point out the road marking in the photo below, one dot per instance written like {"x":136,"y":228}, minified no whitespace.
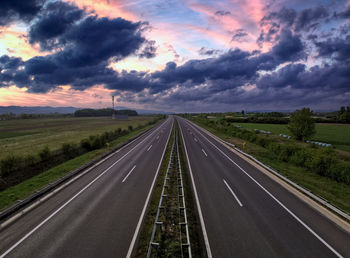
{"x":149,"y":148}
{"x":205,"y":235}
{"x":205,"y":153}
{"x":128,"y":173}
{"x":157,"y":137}
{"x":196,"y":139}
{"x":137,"y":230}
{"x":71,"y":199}
{"x":234,"y":195}
{"x":274,"y":198}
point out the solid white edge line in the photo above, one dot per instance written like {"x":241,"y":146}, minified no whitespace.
{"x":133,"y":241}
{"x":149,"y":148}
{"x":205,"y":235}
{"x":128,"y":173}
{"x":274,"y":198}
{"x":234,"y":195}
{"x":71,"y":199}
{"x":205,"y":153}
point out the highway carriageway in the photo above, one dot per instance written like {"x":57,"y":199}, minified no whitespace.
{"x":245,"y":213}
{"x":98,"y":215}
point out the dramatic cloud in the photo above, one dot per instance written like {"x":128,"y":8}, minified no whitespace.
{"x":265,"y":54}
{"x":12,"y":10}
{"x":208,"y":52}
{"x":52,"y":22}
{"x":83,"y":47}
{"x":239,"y":35}
{"x":336,"y":48}
{"x":222,"y":13}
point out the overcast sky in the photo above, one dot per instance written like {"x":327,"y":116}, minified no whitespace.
{"x":176,"y":55}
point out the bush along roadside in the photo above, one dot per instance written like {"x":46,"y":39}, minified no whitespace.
{"x":323,"y":162}
{"x":16,"y":169}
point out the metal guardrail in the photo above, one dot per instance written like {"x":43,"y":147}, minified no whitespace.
{"x":174,"y":164}
{"x":182,"y":208}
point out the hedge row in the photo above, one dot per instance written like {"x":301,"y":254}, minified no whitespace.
{"x":321,"y":161}
{"x":14,"y":169}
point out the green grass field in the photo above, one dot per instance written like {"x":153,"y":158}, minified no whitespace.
{"x":29,"y":136}
{"x":11,"y":195}
{"x":336,"y":134}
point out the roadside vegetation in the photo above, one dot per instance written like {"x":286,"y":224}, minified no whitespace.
{"x":29,"y":136}
{"x":70,"y":143}
{"x":322,"y":170}
{"x":20,"y":191}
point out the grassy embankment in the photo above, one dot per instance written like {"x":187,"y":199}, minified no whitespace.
{"x":11,"y":195}
{"x":336,"y":134}
{"x":28,"y":136}
{"x":337,"y":193}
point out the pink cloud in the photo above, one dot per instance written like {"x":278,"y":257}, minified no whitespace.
{"x":96,"y":96}
{"x":253,"y":8}
{"x":107,"y":8}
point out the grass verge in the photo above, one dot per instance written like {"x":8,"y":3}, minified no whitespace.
{"x":336,"y":193}
{"x":18,"y":192}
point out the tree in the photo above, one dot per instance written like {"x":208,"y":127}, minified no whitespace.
{"x":301,"y":124}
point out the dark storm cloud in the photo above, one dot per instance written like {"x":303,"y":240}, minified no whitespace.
{"x":53,"y":21}
{"x":222,"y":13}
{"x":345,"y":14}
{"x":12,"y":10}
{"x":203,"y":51}
{"x":308,"y":18}
{"x":290,"y":19}
{"x":289,"y":48}
{"x":329,"y":78}
{"x":149,"y":50}
{"x":239,"y":35}
{"x":336,"y":48}
{"x":84,"y":45}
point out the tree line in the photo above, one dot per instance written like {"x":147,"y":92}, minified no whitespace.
{"x":89,"y":112}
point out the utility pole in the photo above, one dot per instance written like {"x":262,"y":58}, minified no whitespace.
{"x":113,"y":114}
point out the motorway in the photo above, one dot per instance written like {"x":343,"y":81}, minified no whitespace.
{"x":97,"y":215}
{"x":244,"y":213}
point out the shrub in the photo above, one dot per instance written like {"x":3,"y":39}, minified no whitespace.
{"x":30,"y":160}
{"x":130,"y":128}
{"x":45,"y":153}
{"x":95,"y":142}
{"x":8,"y":164}
{"x":69,"y":150}
{"x":299,"y":157}
{"x":85,"y":144}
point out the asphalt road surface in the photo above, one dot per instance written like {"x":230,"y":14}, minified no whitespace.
{"x":244,"y":213}
{"x":99,"y":214}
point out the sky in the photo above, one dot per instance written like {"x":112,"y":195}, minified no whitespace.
{"x":176,"y":55}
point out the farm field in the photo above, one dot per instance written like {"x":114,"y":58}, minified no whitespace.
{"x":336,"y":134}
{"x":29,"y":136}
